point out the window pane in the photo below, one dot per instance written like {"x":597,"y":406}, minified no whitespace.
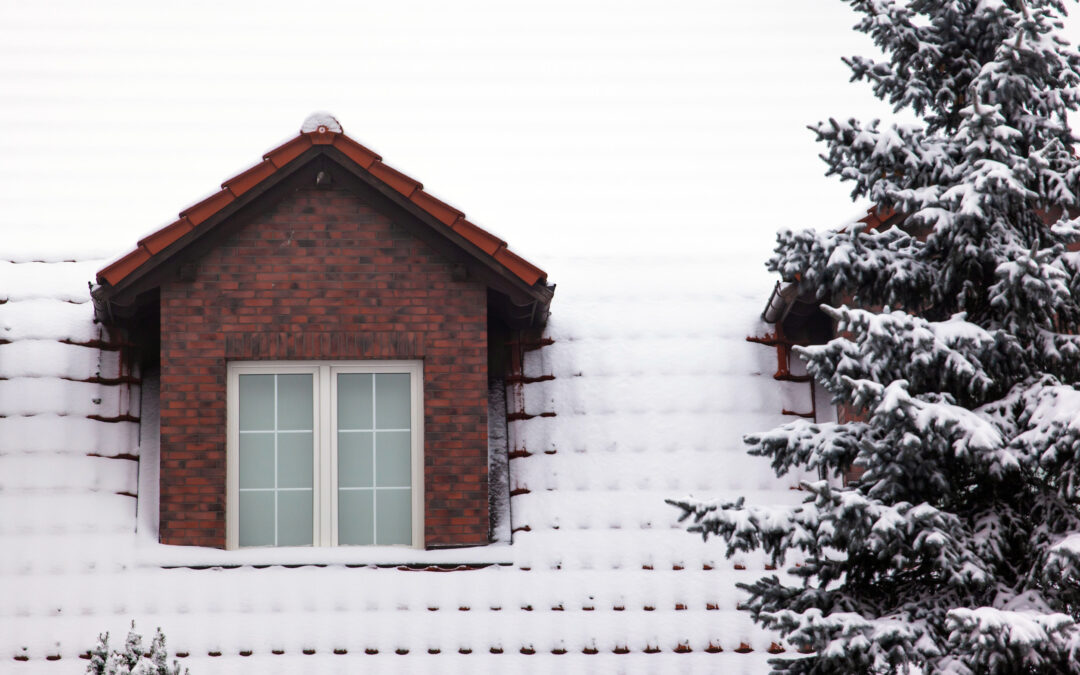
{"x":294,"y":518}
{"x":295,"y":460}
{"x":354,"y":400}
{"x":393,"y":459}
{"x":256,"y":402}
{"x":278,"y":458}
{"x":355,"y":517}
{"x":355,"y":467}
{"x":295,"y":402}
{"x":257,"y":460}
{"x":392,"y":401}
{"x":257,"y":518}
{"x":393,"y":524}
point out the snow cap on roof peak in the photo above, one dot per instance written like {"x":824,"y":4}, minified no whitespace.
{"x":321,"y":122}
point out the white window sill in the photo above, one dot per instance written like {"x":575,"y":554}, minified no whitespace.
{"x":153,"y":554}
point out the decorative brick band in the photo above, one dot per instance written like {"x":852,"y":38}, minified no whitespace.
{"x":330,"y":345}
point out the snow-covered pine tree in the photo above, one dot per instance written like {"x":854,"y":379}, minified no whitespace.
{"x":958,"y":550}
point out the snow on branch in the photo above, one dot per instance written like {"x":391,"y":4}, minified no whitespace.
{"x":953,"y":355}
{"x":905,"y":536}
{"x":1047,"y":431}
{"x":874,"y":268}
{"x":1031,"y":287}
{"x":829,"y":447}
{"x":989,"y":640}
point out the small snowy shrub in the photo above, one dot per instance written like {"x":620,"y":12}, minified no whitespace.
{"x":133,"y":660}
{"x":958,"y":550}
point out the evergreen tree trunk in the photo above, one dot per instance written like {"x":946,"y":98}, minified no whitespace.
{"x":958,"y":551}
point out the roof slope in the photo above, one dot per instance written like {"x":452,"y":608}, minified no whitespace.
{"x":318,"y":131}
{"x":649,"y":401}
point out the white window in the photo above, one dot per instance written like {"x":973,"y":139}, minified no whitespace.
{"x":325,"y":453}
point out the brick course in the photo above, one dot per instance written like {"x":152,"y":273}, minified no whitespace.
{"x":323,"y":275}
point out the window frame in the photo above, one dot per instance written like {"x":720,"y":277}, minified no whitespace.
{"x":325,"y":440}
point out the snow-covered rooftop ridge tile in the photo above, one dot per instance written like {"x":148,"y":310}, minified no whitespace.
{"x":321,"y":122}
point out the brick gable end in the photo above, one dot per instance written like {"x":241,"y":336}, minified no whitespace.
{"x":322,"y":275}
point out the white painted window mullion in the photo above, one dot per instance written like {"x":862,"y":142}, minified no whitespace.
{"x":275,"y":461}
{"x":416,"y":443}
{"x":374,"y":462}
{"x":327,"y":496}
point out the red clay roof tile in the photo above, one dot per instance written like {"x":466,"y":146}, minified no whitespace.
{"x":528,"y":272}
{"x":159,"y":240}
{"x":242,"y":182}
{"x":120,"y":269}
{"x":875,"y":218}
{"x":198,"y":213}
{"x":321,"y":136}
{"x":395,"y":179}
{"x":277,"y":158}
{"x":355,"y":151}
{"x":481,"y":238}
{"x":442,"y":211}
{"x":288,"y":151}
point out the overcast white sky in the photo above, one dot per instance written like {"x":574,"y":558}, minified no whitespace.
{"x":667,"y":127}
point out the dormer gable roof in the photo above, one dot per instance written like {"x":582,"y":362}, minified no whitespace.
{"x":518,"y":281}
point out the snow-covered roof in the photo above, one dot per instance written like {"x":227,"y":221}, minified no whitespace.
{"x":653,"y":137}
{"x":654,"y":384}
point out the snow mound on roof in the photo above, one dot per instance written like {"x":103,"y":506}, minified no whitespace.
{"x":320,"y":119}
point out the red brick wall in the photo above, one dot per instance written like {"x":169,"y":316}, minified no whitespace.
{"x":322,"y":275}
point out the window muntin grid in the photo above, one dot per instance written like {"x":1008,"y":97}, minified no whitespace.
{"x":374,"y":438}
{"x":276,"y":448}
{"x":382,"y":505}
